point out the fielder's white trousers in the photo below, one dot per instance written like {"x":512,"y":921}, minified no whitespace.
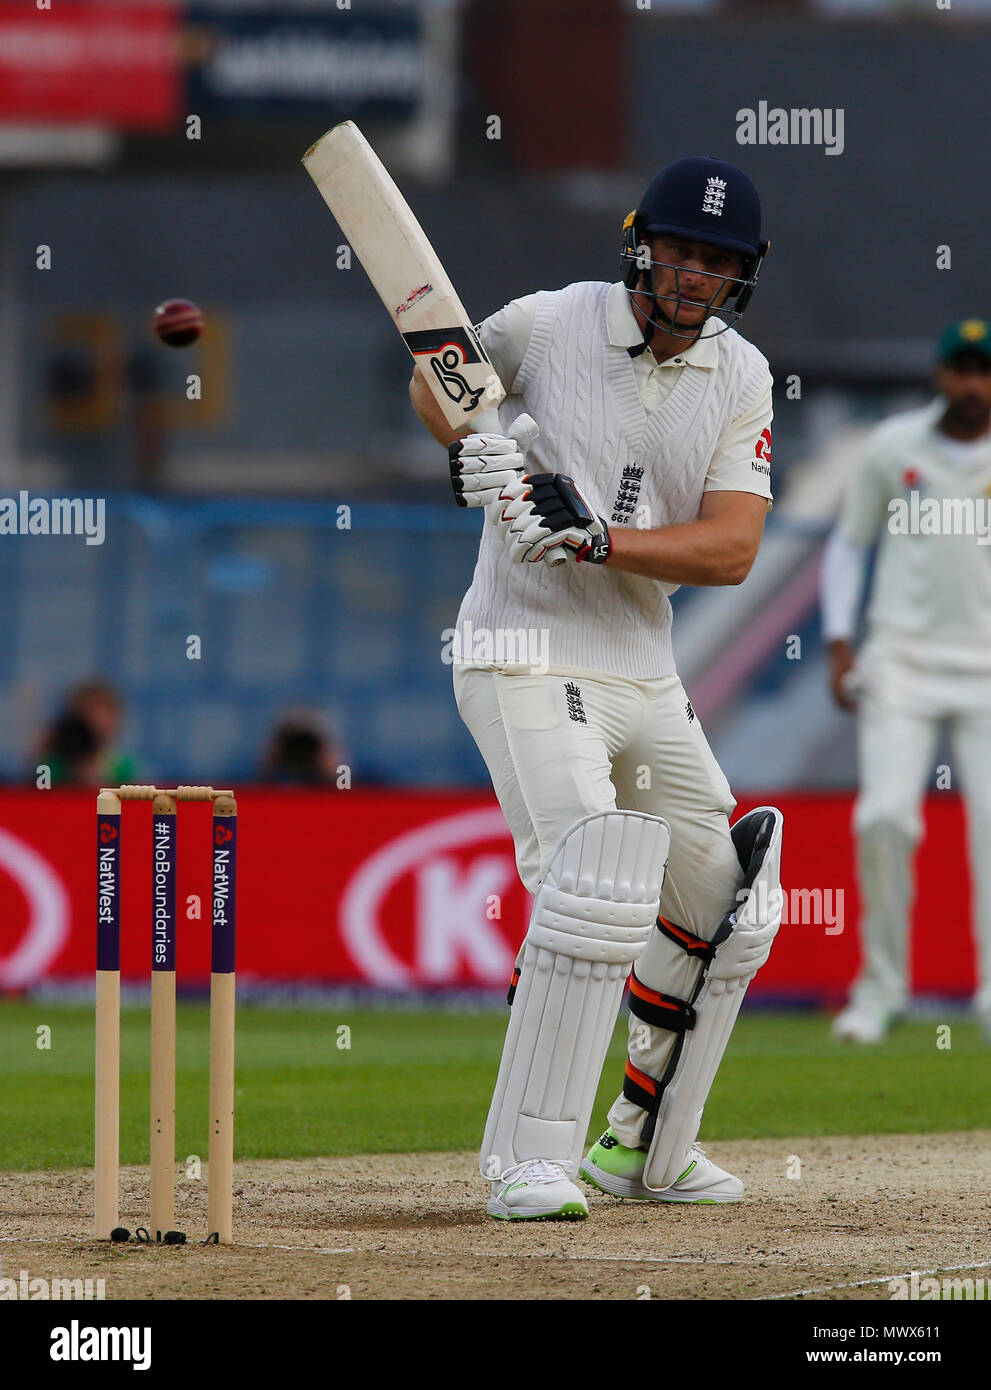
{"x":903,"y":706}
{"x":555,"y":755}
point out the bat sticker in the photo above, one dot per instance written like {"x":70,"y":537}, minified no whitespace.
{"x":448,"y":350}
{"x":414,"y":298}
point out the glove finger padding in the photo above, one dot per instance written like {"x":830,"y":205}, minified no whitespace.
{"x":478,"y":489}
{"x":474,"y":444}
{"x":547,"y":513}
{"x":484,"y":464}
{"x":481,"y":466}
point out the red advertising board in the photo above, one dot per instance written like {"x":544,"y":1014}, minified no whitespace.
{"x":414,"y":891}
{"x":96,"y":62}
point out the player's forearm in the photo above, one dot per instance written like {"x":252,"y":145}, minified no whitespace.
{"x":696,"y":552}
{"x":430,"y":412}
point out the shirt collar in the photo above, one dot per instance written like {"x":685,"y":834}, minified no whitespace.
{"x":624,"y":332}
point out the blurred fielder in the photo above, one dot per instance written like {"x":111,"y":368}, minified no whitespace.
{"x":926,"y":659}
{"x":651,"y":470}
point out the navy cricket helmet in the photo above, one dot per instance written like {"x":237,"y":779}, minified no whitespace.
{"x":701,"y":200}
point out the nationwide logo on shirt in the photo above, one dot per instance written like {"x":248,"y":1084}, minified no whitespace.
{"x":761,"y":462}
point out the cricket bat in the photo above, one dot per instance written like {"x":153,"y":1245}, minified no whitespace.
{"x":407,"y":274}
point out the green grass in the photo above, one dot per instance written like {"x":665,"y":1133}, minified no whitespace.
{"x":415,"y":1081}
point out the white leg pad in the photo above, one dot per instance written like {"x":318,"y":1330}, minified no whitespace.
{"x":592,"y":916}
{"x":734,"y":964}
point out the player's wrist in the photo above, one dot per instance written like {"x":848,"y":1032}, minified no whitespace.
{"x":599,"y":549}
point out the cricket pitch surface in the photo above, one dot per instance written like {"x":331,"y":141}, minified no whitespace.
{"x":863,"y":1211}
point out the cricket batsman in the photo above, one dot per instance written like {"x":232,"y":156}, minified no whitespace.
{"x":651,"y":470}
{"x":926,"y":660}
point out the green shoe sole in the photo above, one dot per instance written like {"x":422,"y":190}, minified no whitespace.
{"x":571,"y":1211}
{"x":586,"y":1176}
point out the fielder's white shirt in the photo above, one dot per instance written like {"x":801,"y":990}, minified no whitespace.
{"x":643,"y":441}
{"x":931,"y":595}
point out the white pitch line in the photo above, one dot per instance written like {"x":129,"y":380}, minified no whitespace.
{"x":236,"y":1245}
{"x":602,"y":1259}
{"x":474,"y":1254}
{"x":303,"y":1249}
{"x":864,"y":1283}
{"x":586,"y":1259}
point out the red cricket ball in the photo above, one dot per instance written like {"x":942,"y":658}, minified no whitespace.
{"x":178,"y":322}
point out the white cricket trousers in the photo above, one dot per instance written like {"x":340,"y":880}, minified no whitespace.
{"x":562,"y":746}
{"x":902,"y":709}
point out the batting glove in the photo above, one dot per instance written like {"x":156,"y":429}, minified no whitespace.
{"x":545,"y":517}
{"x":483,"y":465}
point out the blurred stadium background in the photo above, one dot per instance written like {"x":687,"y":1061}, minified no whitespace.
{"x":224,"y":514}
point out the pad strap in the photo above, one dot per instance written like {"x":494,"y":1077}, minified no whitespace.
{"x":641,"y":1089}
{"x":659,"y":1010}
{"x":691,"y":944}
{"x":666,"y":1011}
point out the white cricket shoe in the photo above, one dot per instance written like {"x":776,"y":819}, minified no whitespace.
{"x":617,"y":1170}
{"x":860,"y":1024}
{"x":536,"y":1191}
{"x":702,"y":1181}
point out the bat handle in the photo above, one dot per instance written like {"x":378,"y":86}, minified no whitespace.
{"x":524,"y":428}
{"x":486,"y":422}
{"x":525,"y":431}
